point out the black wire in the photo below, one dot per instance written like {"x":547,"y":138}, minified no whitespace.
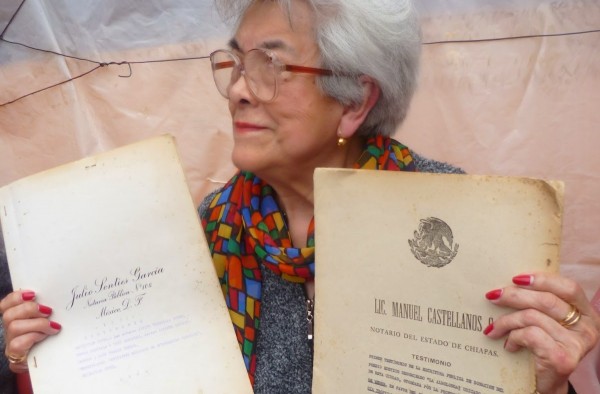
{"x":99,"y":65}
{"x":48,"y":51}
{"x":511,"y":38}
{"x":51,"y":86}
{"x":11,"y":19}
{"x":98,"y":62}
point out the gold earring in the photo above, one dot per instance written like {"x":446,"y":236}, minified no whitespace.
{"x":341,"y":142}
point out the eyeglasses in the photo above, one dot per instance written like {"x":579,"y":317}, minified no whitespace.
{"x":260,"y":68}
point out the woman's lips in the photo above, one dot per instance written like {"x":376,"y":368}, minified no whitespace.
{"x":247,"y":127}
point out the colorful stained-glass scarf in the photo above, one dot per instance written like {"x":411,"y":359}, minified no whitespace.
{"x":245,"y":228}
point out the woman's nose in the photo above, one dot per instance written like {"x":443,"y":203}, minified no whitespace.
{"x":239,"y":91}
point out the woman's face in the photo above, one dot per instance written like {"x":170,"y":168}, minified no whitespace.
{"x":296,"y":132}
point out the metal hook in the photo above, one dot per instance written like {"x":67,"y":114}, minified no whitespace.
{"x":119,"y":64}
{"x":130,"y":70}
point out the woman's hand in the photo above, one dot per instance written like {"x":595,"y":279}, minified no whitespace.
{"x":25,"y":323}
{"x":546,"y":322}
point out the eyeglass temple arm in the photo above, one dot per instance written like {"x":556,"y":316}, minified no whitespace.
{"x":286,"y":67}
{"x":222,"y":65}
{"x":307,"y":70}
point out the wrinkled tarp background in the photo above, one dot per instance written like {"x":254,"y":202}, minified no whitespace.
{"x":524,"y":106}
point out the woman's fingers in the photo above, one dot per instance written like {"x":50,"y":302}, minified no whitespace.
{"x":25,"y":323}
{"x":15,"y":298}
{"x":558,"y":298}
{"x":559,"y":356}
{"x":553,"y":360}
{"x":21,"y":308}
{"x":530,"y":324}
{"x":553,"y":319}
{"x":554,"y":286}
{"x":563,"y":288}
{"x":542,"y":301}
{"x":18,"y":305}
{"x":20,"y":342}
{"x":33,"y":331}
{"x":26,"y":310}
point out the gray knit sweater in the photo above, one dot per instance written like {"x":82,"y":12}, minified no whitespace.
{"x":283,"y":352}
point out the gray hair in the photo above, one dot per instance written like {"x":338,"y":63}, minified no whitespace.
{"x":378,"y":38}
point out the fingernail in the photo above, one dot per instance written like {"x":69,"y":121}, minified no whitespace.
{"x":488,"y":329}
{"x":28,"y":295}
{"x":523,"y":280}
{"x":55,"y":325}
{"x":45,"y":310}
{"x":494,"y":294}
{"x":505,"y":343}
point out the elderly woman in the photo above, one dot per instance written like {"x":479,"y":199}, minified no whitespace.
{"x":310,"y":84}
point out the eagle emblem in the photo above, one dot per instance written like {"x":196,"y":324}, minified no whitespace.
{"x":433,"y":244}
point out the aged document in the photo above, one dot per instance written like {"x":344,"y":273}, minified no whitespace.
{"x":114,"y":245}
{"x":403,"y":264}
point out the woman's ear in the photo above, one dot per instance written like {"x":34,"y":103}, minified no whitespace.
{"x":355,"y":114}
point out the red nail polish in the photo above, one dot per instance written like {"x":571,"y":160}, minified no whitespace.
{"x":55,"y":325}
{"x":45,"y":310}
{"x":488,"y":329}
{"x":494,"y":294}
{"x":523,"y":280}
{"x":28,"y":295}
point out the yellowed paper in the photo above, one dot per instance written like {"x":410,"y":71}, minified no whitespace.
{"x":403,"y":263}
{"x":113,"y":243}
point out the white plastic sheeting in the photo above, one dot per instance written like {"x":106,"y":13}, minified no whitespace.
{"x":526,"y":106}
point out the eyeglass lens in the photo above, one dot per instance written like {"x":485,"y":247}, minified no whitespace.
{"x":259,"y":71}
